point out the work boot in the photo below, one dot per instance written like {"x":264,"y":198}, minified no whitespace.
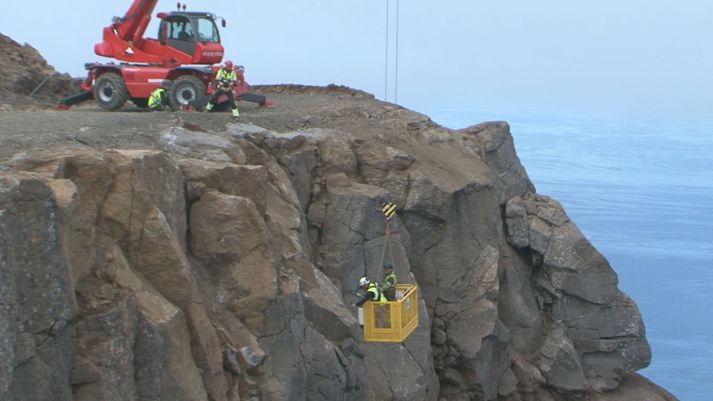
{"x":208,"y":107}
{"x":236,"y":113}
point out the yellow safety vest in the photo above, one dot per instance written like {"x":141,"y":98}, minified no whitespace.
{"x":389,"y":286}
{"x":157,"y":97}
{"x":389,"y":280}
{"x":223,"y":77}
{"x":376,"y":295}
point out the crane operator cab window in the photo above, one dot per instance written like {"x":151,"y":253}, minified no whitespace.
{"x":178,"y":33}
{"x":207,"y":31}
{"x":181,"y":28}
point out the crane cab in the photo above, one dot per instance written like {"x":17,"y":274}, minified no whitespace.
{"x":192,"y":33}
{"x":392,"y":321}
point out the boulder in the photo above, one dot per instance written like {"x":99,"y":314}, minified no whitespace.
{"x":539,"y":235}
{"x":200,"y":145}
{"x":247,"y":181}
{"x":560,"y":363}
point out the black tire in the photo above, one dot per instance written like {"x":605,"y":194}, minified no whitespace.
{"x":140,"y":103}
{"x":110,"y":91}
{"x":200,"y":103}
{"x":186,"y":91}
{"x":254,"y":98}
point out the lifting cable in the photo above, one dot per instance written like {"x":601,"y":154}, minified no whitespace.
{"x":389,"y":211}
{"x":396,"y":55}
{"x":386,"y":55}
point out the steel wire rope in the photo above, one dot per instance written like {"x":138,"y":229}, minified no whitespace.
{"x":396,"y":56}
{"x":386,"y":55}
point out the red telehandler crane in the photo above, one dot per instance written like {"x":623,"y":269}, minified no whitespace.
{"x":187,"y":46}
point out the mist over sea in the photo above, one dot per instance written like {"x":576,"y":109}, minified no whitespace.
{"x":641,"y":190}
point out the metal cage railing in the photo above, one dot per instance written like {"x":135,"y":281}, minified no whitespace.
{"x":392,"y":321}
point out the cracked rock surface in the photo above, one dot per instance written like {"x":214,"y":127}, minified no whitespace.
{"x":148,"y":256}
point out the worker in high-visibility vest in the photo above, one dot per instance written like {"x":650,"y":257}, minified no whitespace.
{"x":373,"y":293}
{"x":158,"y":101}
{"x":388,"y":286}
{"x":225,"y":79}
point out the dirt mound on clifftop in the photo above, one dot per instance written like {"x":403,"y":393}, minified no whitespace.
{"x":23,"y":70}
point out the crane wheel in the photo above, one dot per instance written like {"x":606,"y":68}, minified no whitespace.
{"x":186,"y":91}
{"x":110,"y":91}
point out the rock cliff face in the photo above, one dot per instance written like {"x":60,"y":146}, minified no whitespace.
{"x":179,"y":257}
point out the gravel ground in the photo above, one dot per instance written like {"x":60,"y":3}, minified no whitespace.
{"x":296,"y":108}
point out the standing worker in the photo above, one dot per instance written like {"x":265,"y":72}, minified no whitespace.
{"x":225,"y":79}
{"x":159,"y":97}
{"x":389,"y":284}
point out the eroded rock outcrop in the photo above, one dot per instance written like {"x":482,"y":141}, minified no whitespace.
{"x":27,"y":81}
{"x":219,"y":265}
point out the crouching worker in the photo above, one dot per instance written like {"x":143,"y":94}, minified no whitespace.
{"x":159,"y":97}
{"x":225,"y":79}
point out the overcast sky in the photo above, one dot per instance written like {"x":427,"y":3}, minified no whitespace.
{"x":600,"y":56}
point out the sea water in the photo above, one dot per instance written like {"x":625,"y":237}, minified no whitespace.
{"x":641,"y":190}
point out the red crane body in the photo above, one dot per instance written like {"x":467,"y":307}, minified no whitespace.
{"x":187,"y":46}
{"x":124,"y":38}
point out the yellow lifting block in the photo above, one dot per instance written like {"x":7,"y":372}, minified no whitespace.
{"x":392,"y":322}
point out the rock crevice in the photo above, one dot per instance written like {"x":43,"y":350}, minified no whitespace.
{"x":220,"y":265}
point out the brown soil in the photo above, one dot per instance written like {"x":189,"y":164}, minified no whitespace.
{"x":296,"y":108}
{"x":28,"y":123}
{"x":23,"y":70}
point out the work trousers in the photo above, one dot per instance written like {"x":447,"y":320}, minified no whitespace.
{"x":219,"y":92}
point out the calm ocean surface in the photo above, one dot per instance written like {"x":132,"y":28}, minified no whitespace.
{"x":642,"y":192}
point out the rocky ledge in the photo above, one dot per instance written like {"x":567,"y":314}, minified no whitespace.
{"x":148,"y":256}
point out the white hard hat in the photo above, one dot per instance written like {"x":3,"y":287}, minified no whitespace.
{"x":363,"y":281}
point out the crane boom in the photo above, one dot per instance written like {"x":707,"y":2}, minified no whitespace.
{"x":183,"y":38}
{"x":132,"y":27}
